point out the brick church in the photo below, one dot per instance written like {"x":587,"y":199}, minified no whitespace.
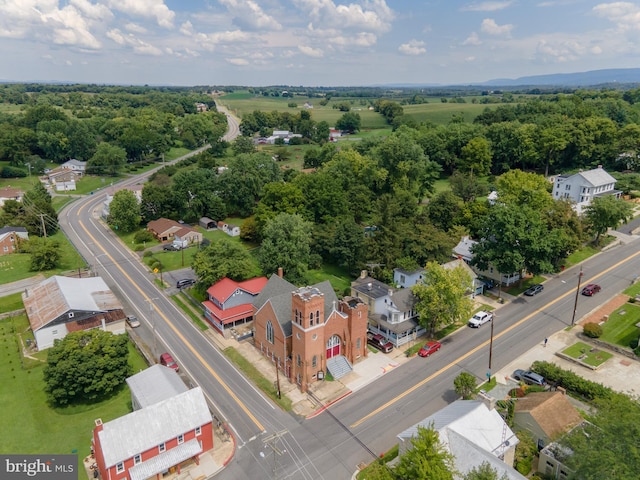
{"x":307,"y":331}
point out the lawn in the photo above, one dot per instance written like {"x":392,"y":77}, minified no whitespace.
{"x":580,"y":255}
{"x":516,"y":289}
{"x":441,"y":113}
{"x":620,"y":328}
{"x":29,"y":425}
{"x":339,"y":278}
{"x":587,"y":354}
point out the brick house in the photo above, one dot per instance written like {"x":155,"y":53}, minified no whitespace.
{"x":10,"y":238}
{"x":165,"y":229}
{"x":307,"y":331}
{"x":155,"y":440}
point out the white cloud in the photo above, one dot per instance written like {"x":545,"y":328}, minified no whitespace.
{"x":250,"y":16}
{"x":137,"y":45}
{"x":374,"y":16}
{"x":135,"y":28}
{"x":472,"y":39}
{"x":562,"y":51}
{"x":490,"y":27}
{"x":487,"y":6}
{"x":413,"y":47}
{"x":625,"y":15}
{"x":93,"y":11}
{"x":310,"y":51}
{"x":237,"y":61}
{"x":155,"y":9}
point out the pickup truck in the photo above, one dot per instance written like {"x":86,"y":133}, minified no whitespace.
{"x":379,"y":342}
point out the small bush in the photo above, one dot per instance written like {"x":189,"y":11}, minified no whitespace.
{"x":143,"y":236}
{"x":147,"y":254}
{"x":592,"y":330}
{"x":12,"y":172}
{"x":633,"y":344}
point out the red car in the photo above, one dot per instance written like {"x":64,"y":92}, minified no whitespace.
{"x":429,"y":348}
{"x":590,"y":289}
{"x":167,"y":360}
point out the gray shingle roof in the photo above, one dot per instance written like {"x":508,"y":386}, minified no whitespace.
{"x":155,"y":384}
{"x":597,"y":177}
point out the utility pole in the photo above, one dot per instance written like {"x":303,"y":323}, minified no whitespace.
{"x":491,"y":347}
{"x":271,"y":441}
{"x":575,"y":304}
{"x":44,"y":227}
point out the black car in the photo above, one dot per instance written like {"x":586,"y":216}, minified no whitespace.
{"x":533,"y":290}
{"x":170,"y":247}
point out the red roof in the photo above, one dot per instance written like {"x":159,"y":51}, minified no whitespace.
{"x":230,"y":314}
{"x":225,"y":287}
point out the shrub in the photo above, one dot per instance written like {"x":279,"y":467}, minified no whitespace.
{"x":572,"y":382}
{"x":143,"y":236}
{"x":637,"y":351}
{"x":12,"y":172}
{"x":592,"y":330}
{"x":633,"y":344}
{"x":147,"y":254}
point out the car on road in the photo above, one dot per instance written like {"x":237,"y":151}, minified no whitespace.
{"x":429,"y":348}
{"x":185,"y":282}
{"x":378,"y":341}
{"x":167,"y":360}
{"x":530,"y":378}
{"x":533,"y":290}
{"x":480,"y":318}
{"x":132,"y":321}
{"x":170,"y":247}
{"x":591,"y":289}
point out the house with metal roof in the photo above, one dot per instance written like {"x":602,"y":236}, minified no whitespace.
{"x":153,"y":385}
{"x":230,"y":303}
{"x":154,"y":440}
{"x":307,"y":331}
{"x":582,"y":187}
{"x":473,"y":433}
{"x":59,"y":305}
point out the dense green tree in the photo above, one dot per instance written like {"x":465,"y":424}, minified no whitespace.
{"x":278,"y":197}
{"x":529,"y":190}
{"x":443,"y":209}
{"x":484,"y":472}
{"x":347,"y":249}
{"x":442,"y":297}
{"x":222,"y":258}
{"x":320,"y":133}
{"x":243,"y":144}
{"x":607,"y":212}
{"x":124,"y":211}
{"x":476,"y":156}
{"x":37,"y":213}
{"x":86,"y":366}
{"x":427,"y":459}
{"x":349,"y":122}
{"x":157,"y":201}
{"x":44,"y":254}
{"x":107,"y":160}
{"x":466,"y":186}
{"x":465,"y":385}
{"x":286,"y":243}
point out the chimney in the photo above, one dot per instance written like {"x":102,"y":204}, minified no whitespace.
{"x":363,"y":274}
{"x":280,"y":272}
{"x":599,"y":166}
{"x":98,"y":422}
{"x":390,"y":292}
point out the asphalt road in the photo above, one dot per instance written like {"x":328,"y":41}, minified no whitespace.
{"x":358,"y":429}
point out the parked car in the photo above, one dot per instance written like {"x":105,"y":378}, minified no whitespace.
{"x":530,"y":378}
{"x":170,"y":247}
{"x":185,"y":282}
{"x":533,"y":290}
{"x":429,"y":348}
{"x":378,"y":341}
{"x":167,"y":360}
{"x":591,"y":289}
{"x":480,"y":318}
{"x":132,"y":321}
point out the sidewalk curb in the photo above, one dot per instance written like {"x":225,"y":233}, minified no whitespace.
{"x":324,"y":407}
{"x":233,"y":452}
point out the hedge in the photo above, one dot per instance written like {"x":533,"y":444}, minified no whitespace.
{"x":572,"y":382}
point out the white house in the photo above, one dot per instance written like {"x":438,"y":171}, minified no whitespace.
{"x":463,"y":251}
{"x":582,"y":187}
{"x":473,"y":433}
{"x":75,"y":165}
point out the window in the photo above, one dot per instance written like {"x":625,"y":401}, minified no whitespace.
{"x":358,"y":343}
{"x":54,"y":332}
{"x":180,"y":439}
{"x":318,"y":317}
{"x":314,"y":336}
{"x":137,"y":459}
{"x":314,"y":361}
{"x":198,"y":430}
{"x":269,"y":331}
{"x":120,"y":467}
{"x":161,"y":448}
{"x":298,"y":360}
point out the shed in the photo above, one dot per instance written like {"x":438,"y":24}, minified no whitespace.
{"x":207,"y":223}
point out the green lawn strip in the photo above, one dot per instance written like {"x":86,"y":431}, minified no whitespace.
{"x":620,"y":328}
{"x":11,"y":303}
{"x":516,"y":289}
{"x":580,"y":255}
{"x":256,"y":377}
{"x":28,"y":423}
{"x":184,"y":305}
{"x":593,"y":358}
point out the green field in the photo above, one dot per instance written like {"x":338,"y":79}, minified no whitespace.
{"x":587,"y":354}
{"x":441,"y":113}
{"x":620,"y":328}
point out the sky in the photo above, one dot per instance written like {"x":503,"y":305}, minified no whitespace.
{"x":311,"y":42}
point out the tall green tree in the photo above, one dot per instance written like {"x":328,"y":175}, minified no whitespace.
{"x":107,"y":160}
{"x":124,"y":211}
{"x":427,"y":459}
{"x":222,"y":258}
{"x":287,"y":244}
{"x":607,"y":212}
{"x":476,"y":156}
{"x":44,"y":253}
{"x":349,"y":122}
{"x":86,"y":366}
{"x":442,"y":297}
{"x":484,"y":472}
{"x":465,"y":385}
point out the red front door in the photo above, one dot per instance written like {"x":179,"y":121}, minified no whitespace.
{"x":333,"y":346}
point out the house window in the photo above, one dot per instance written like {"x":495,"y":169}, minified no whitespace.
{"x":358,"y":343}
{"x":6,"y":249}
{"x":318,"y":317}
{"x":54,"y":332}
{"x":567,"y":187}
{"x":314,"y":361}
{"x":137,"y":459}
{"x":269,"y":331}
{"x":198,"y":431}
{"x":161,"y":448}
{"x":120,"y":467}
{"x":180,"y":439}
{"x":298,"y":360}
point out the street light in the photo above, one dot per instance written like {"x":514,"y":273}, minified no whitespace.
{"x":575,"y":304}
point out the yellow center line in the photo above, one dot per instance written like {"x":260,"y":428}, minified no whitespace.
{"x":482,"y":345}
{"x":179,"y":335}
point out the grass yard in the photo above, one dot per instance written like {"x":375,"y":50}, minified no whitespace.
{"x":620,"y":328}
{"x":516,"y":290}
{"x":11,"y":303}
{"x":339,"y":278}
{"x":442,"y":113}
{"x":580,"y":255}
{"x":587,"y":354}
{"x":29,"y":425}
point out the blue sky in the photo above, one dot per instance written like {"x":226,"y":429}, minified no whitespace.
{"x":311,"y":42}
